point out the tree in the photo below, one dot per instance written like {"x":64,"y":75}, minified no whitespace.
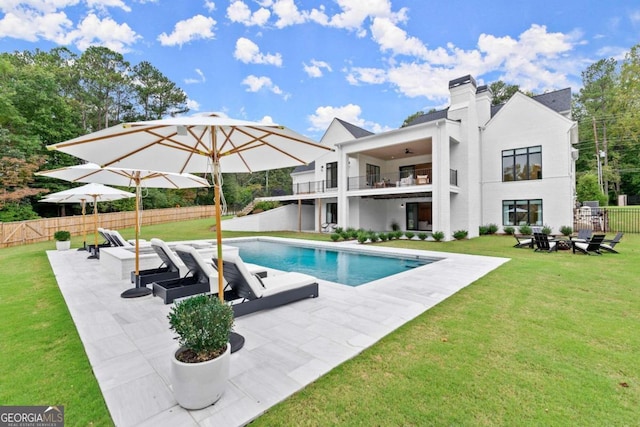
{"x":155,"y":94}
{"x":502,"y":92}
{"x":411,"y":118}
{"x":588,"y":188}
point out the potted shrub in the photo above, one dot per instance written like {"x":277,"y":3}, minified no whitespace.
{"x":200,"y":367}
{"x":63,"y":240}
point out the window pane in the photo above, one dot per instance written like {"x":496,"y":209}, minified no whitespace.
{"x":535,"y":166}
{"x":508,"y":212}
{"x":507,"y":169}
{"x":535,"y":212}
{"x":521,"y":167}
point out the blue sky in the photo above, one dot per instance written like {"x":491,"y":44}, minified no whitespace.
{"x":302,"y":63}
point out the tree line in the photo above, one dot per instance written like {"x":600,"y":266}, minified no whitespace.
{"x":49,"y":97}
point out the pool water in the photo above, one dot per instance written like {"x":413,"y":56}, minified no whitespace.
{"x":347,"y":268}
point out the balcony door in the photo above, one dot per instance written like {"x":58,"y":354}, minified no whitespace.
{"x":419,"y":216}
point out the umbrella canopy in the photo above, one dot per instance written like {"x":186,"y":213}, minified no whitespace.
{"x":91,"y":172}
{"x":204,"y":143}
{"x":88,"y":193}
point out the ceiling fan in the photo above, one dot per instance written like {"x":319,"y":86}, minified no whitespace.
{"x":407,"y":151}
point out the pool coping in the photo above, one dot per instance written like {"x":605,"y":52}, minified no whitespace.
{"x":129,"y":344}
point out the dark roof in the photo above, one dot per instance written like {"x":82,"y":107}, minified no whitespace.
{"x":304,"y":168}
{"x":354,"y":130}
{"x":429,"y":117}
{"x":558,"y":100}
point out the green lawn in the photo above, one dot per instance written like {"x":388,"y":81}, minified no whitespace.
{"x":547,"y":339}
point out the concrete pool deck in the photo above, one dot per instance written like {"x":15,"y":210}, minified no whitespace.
{"x":129,"y":344}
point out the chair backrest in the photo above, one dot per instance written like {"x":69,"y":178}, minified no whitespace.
{"x":118,"y":238}
{"x":110,"y":238}
{"x":595,"y":242}
{"x":169,"y":259}
{"x":616,"y":239}
{"x":102,"y":232}
{"x":198,"y":268}
{"x":541,"y":240}
{"x":585,"y":233}
{"x":239,"y":278}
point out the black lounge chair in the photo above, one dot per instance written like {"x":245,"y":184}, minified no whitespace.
{"x":250,"y":293}
{"x":523,"y":241}
{"x":198,"y":280}
{"x":543,"y":243}
{"x":169,"y":267}
{"x":592,"y":246}
{"x":608,"y":244}
{"x":583,"y":235}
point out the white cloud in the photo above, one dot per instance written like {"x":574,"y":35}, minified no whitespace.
{"x":197,"y":27}
{"x":256,"y":84}
{"x":534,"y":61}
{"x":238,"y":11}
{"x":193,"y":105}
{"x":249,"y":53}
{"x":288,"y":13}
{"x":356,"y":12}
{"x":104,"y":32}
{"x":315,"y":69}
{"x":31,"y":26}
{"x":323,"y":117}
{"x":104,"y":4}
{"x":201,"y":78}
{"x":267,"y":120}
{"x":210,"y":6}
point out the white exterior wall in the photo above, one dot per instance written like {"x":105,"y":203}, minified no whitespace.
{"x":282,"y":218}
{"x":523,"y":122}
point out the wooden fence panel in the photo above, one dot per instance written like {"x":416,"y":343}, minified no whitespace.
{"x":41,"y":230}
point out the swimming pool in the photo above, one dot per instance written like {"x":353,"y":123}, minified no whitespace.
{"x":344,"y":267}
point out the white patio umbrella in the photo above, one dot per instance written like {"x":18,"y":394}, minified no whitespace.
{"x":89,"y":193}
{"x":138,"y":178}
{"x":204,"y":143}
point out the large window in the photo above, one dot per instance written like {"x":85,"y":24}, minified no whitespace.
{"x":373,"y":174}
{"x":332,"y":175}
{"x":522,"y":164}
{"x":522,"y":212}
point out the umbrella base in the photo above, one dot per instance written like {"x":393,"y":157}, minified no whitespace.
{"x":236,"y":340}
{"x":136,"y":292}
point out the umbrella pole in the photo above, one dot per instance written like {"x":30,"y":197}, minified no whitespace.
{"x":137,"y":291}
{"x":83,"y":203}
{"x":95,"y":255}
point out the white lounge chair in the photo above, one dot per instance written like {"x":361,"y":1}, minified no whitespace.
{"x":259,"y":293}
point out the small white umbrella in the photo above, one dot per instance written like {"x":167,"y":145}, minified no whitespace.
{"x":204,"y":143}
{"x":138,"y":178}
{"x":91,"y":192}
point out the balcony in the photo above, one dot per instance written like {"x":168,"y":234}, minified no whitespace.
{"x":388,"y":180}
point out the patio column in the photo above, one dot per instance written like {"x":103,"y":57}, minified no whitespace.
{"x":343,"y":182}
{"x":441,"y":194}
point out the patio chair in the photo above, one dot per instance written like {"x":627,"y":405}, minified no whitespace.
{"x":523,"y":241}
{"x":592,"y":246}
{"x":543,"y":243}
{"x":254,"y":293}
{"x":328,"y":227}
{"x":199,"y":278}
{"x":583,"y":235}
{"x":422,"y":179}
{"x":608,"y":244}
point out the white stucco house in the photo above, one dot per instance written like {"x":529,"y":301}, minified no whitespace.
{"x":468,"y":165}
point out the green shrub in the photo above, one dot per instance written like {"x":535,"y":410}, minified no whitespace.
{"x":483,"y":229}
{"x":492,"y":228}
{"x":202,"y":324}
{"x":409,"y":234}
{"x":373,"y":237}
{"x":547,"y":230}
{"x":383,"y":236}
{"x":398,"y":234}
{"x":437,"y":235}
{"x":566,"y":230}
{"x":509,"y":230}
{"x":339,"y":230}
{"x":395,"y":226}
{"x":460,"y":234}
{"x":17,"y":212}
{"x":344,"y":235}
{"x":62,"y":235}
{"x":352,"y":232}
{"x":265,"y":205}
{"x":525,"y":229}
{"x":362,"y":237}
{"x":422,"y":236}
{"x":335,"y":237}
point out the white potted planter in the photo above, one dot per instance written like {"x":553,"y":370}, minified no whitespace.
{"x":200,"y":367}
{"x":63,"y":240}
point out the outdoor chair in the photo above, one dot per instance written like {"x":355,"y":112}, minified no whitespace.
{"x":328,"y":227}
{"x":523,"y":241}
{"x":543,"y":243}
{"x":592,"y":246}
{"x":608,"y":244}
{"x":422,"y":179}
{"x":250,"y":293}
{"x":199,"y":279}
{"x":583,"y":235}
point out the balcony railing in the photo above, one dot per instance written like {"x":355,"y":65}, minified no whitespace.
{"x":388,"y":180}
